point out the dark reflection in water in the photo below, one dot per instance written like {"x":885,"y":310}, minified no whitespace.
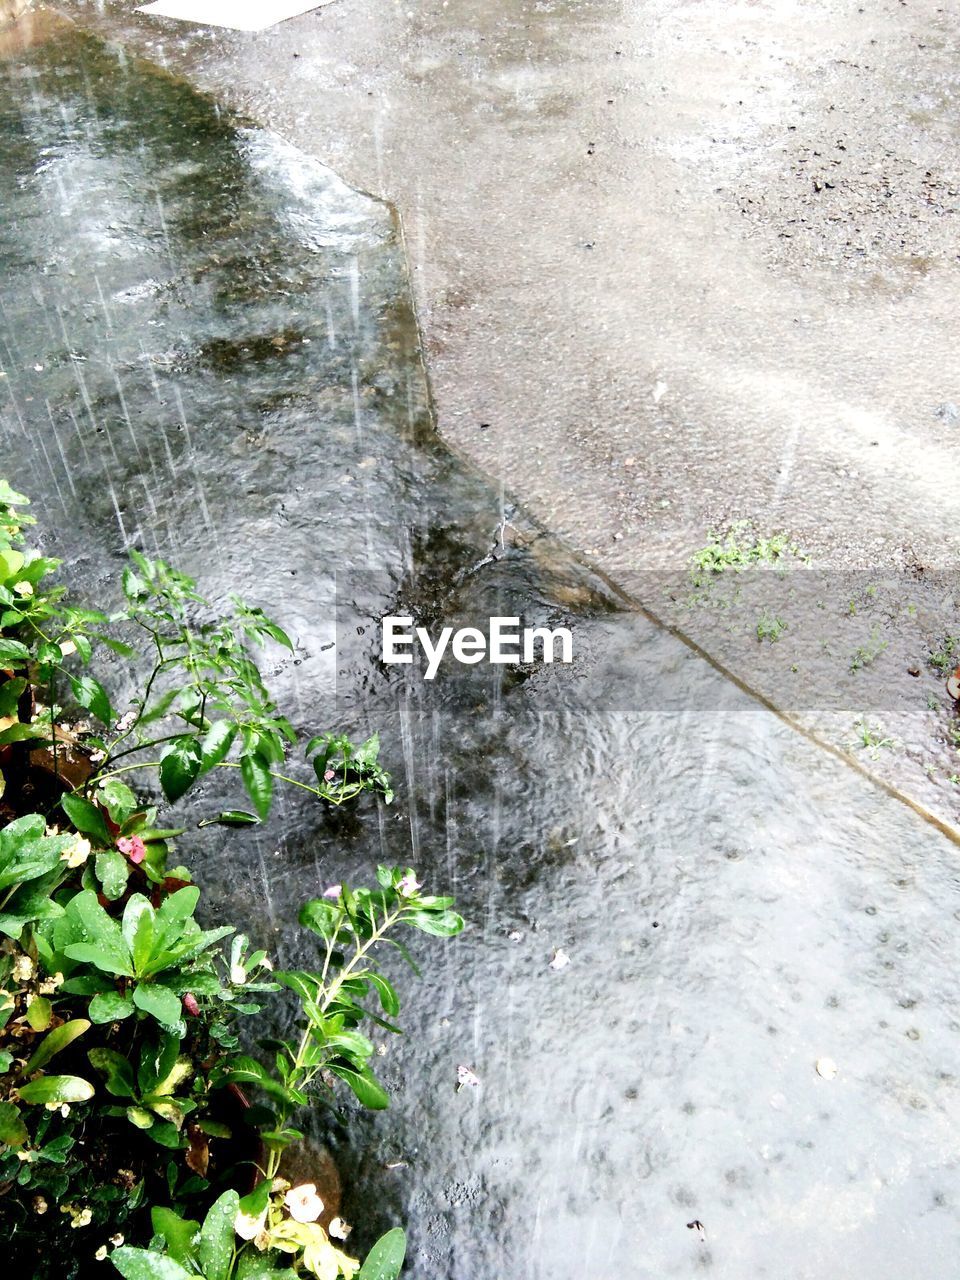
{"x":208,"y":352}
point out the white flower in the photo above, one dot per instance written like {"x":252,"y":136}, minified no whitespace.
{"x":560,"y":959}
{"x":303,"y":1202}
{"x":339,"y":1229}
{"x":76,"y":854}
{"x":248,"y":1226}
{"x":238,"y":974}
{"x":101,"y":1253}
{"x":408,"y":885}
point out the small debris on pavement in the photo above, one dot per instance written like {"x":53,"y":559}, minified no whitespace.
{"x":467,"y":1077}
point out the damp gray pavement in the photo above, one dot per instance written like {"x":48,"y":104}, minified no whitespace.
{"x":209,"y":351}
{"x":676,"y":265}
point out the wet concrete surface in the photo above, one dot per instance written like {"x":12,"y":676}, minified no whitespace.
{"x":208,"y":350}
{"x":719,"y":239}
{"x":676,"y":265}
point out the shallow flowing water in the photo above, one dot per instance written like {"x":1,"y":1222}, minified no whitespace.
{"x":208,"y":351}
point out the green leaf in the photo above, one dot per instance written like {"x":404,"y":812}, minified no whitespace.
{"x":117,"y":646}
{"x":118,"y":800}
{"x":87,"y":818}
{"x":26,"y":853}
{"x":22,"y":733}
{"x":110,"y":1006}
{"x":49,"y":654}
{"x":142,"y":1264}
{"x":389,"y":1000}
{"x":174,"y":912}
{"x":253,"y":1267}
{"x":385,"y":1259}
{"x":138,"y":930}
{"x":116,"y":1070}
{"x":12,"y":652}
{"x":231,"y":818}
{"x":39,"y":1013}
{"x":11,"y":562}
{"x":370,"y":1093}
{"x":108,"y":951}
{"x":30,"y":904}
{"x":442,"y":924}
{"x":258,"y":1199}
{"x":321,"y":916}
{"x":217,"y":742}
{"x":134,"y":588}
{"x":160,"y":1003}
{"x":56,"y":1089}
{"x":215,"y":1251}
{"x":112,"y":871}
{"x":12,"y":1129}
{"x":103,"y":958}
{"x":10,"y":694}
{"x":158,"y":1063}
{"x":179,"y":767}
{"x":258,"y":781}
{"x":179,"y":1233}
{"x":57,"y":1040}
{"x":92,"y":695}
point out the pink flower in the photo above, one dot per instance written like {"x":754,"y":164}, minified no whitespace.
{"x":304,"y":1203}
{"x":329,"y":776}
{"x":408,"y":885}
{"x":333,"y":892}
{"x":133,"y":847}
{"x":191,"y":1006}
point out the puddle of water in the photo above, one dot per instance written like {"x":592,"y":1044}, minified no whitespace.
{"x":208,"y":351}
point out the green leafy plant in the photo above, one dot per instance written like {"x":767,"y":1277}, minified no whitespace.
{"x":351,"y":924}
{"x":285,"y":1234}
{"x":770,"y":627}
{"x":344,"y":770}
{"x":872,"y":738}
{"x":944,"y":658}
{"x":204,"y":704}
{"x":121,"y":1016}
{"x":738,"y":549}
{"x":865,"y":655}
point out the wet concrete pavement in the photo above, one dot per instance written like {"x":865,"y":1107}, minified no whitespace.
{"x":676,"y":265}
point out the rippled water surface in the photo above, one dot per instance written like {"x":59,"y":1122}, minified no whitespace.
{"x":208,"y":351}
